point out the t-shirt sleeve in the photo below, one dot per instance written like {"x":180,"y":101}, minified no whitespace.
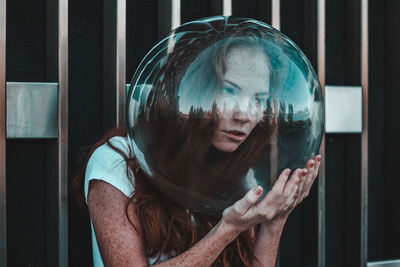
{"x":109,"y":166}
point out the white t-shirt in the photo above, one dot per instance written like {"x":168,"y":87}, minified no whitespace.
{"x":107,"y":165}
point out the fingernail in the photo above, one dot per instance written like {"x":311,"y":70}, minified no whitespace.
{"x":312,"y":164}
{"x":259,"y":190}
{"x":287,"y":172}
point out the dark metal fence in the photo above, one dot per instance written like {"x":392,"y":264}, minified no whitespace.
{"x":64,"y":66}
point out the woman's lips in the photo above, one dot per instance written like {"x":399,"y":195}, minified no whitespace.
{"x":236,"y":136}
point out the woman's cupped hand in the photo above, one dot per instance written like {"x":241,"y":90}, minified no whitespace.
{"x":278,"y":203}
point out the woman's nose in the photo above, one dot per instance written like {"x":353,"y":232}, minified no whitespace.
{"x":240,"y":114}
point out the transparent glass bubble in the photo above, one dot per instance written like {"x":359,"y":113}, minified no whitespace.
{"x":219,"y":106}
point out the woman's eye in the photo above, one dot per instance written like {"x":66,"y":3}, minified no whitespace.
{"x":259,"y":100}
{"x":229,"y":90}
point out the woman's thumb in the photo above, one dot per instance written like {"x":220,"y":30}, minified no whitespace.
{"x":244,"y":204}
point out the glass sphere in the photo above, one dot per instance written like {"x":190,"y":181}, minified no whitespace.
{"x":219,"y":106}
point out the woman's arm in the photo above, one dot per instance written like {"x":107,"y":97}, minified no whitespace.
{"x":270,"y":232}
{"x":121,"y":245}
{"x":267,"y":243}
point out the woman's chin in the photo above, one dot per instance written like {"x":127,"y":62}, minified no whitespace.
{"x":226,"y":146}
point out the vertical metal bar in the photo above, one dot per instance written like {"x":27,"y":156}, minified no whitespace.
{"x":114,"y":63}
{"x":121,"y":62}
{"x":175,"y":13}
{"x":364,"y":136}
{"x":63,"y":132}
{"x":321,"y":178}
{"x":276,"y":14}
{"x":227,"y":7}
{"x":3,"y":210}
{"x":57,"y":151}
{"x":276,"y":23}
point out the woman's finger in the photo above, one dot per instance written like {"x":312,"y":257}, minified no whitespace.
{"x":317,"y":164}
{"x":243,"y":205}
{"x":309,"y":179}
{"x":310,"y":171}
{"x":291,"y":199}
{"x":280,"y":183}
{"x":278,"y":195}
{"x":290,"y":189}
{"x":300,"y":190}
{"x":293,"y":181}
{"x":303,"y":176}
{"x":275,"y":194}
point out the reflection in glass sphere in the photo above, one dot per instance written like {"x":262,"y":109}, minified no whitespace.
{"x":220,"y":105}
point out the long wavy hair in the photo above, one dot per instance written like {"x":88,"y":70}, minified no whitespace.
{"x":174,"y":140}
{"x":165,"y":228}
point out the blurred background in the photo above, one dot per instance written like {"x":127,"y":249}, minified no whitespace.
{"x":81,"y":54}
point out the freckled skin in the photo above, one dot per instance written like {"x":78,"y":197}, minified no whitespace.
{"x":118,"y":242}
{"x":247,"y":68}
{"x":120,"y":245}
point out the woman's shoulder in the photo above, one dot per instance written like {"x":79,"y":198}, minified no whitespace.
{"x":120,"y":142}
{"x":108,"y":165}
{"x":105,"y":156}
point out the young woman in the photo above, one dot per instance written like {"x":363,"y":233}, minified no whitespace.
{"x":204,"y":148}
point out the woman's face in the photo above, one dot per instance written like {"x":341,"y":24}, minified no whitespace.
{"x":242,"y":102}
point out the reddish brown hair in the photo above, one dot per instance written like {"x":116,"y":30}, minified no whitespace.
{"x":166,"y":228}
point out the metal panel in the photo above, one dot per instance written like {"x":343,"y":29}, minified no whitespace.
{"x":32,"y":110}
{"x":321,"y":178}
{"x":390,"y":263}
{"x":276,"y":14}
{"x":343,"y":109}
{"x":364,"y":137}
{"x":3,"y":215}
{"x":227,"y":7}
